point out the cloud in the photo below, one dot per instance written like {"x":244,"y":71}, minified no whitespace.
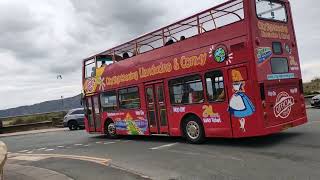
{"x":42,"y":38}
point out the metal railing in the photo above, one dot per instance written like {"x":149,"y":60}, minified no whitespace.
{"x":211,"y":19}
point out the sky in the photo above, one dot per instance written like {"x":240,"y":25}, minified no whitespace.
{"x":41,"y":39}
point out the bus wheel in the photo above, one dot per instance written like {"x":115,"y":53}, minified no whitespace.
{"x":110,"y":130}
{"x":193,"y":130}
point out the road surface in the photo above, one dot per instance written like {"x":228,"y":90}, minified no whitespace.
{"x":290,"y":155}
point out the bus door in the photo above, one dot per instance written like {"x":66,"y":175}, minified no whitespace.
{"x":97,"y":116}
{"x":216,"y":118}
{"x":94,"y":118}
{"x":156,"y":107}
{"x":90,"y":115}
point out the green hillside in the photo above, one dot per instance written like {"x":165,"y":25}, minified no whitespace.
{"x":312,"y":87}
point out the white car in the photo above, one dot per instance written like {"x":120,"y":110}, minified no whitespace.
{"x":74,"y":119}
{"x":315,"y":101}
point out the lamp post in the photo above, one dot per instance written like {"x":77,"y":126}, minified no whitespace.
{"x":59,"y":77}
{"x":62,"y":103}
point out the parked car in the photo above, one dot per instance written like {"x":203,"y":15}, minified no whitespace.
{"x":74,"y":119}
{"x":315,"y":101}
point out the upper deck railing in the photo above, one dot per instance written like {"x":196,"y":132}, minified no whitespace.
{"x":211,"y":19}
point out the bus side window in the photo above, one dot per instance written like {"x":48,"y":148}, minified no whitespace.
{"x":186,"y":90}
{"x":215,"y":86}
{"x":129,"y":98}
{"x":109,"y":101}
{"x":90,"y":68}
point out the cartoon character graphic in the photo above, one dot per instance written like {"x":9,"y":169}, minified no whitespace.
{"x":99,"y":79}
{"x":131,"y":126}
{"x":208,"y":111}
{"x":240,"y":104}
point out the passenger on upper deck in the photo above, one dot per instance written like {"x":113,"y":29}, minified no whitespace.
{"x":103,"y":64}
{"x":169,"y":42}
{"x":125,"y":55}
{"x":182,"y":38}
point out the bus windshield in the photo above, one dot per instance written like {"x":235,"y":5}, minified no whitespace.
{"x":271,"y":10}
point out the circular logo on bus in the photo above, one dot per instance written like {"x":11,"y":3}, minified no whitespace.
{"x":220,"y":54}
{"x":283,"y":106}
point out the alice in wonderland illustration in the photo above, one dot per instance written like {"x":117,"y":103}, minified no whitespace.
{"x":240,"y":104}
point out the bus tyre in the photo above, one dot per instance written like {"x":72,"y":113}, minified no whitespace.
{"x":193,"y":130}
{"x":110,"y":130}
{"x":73,"y":125}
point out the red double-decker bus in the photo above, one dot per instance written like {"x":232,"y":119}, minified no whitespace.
{"x":231,"y":71}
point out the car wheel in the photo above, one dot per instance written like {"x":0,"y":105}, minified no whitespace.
{"x":73,"y":125}
{"x":193,"y":130}
{"x":110,"y":130}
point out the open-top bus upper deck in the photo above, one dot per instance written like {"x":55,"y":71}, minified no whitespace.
{"x":190,"y":28}
{"x":226,"y":21}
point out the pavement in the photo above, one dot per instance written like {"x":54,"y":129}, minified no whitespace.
{"x":290,"y":155}
{"x":64,"y":167}
{"x":21,"y":172}
{"x":33,"y":132}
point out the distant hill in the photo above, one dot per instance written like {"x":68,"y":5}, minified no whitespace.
{"x":312,"y":87}
{"x":48,"y":106}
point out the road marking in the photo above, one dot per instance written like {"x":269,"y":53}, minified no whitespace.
{"x":109,"y":143}
{"x":40,"y":149}
{"x":87,"y":145}
{"x":23,"y":151}
{"x":30,"y":152}
{"x":28,"y":158}
{"x":37,"y":157}
{"x":215,"y":156}
{"x":163,"y":146}
{"x":78,"y":144}
{"x":49,"y":150}
{"x":99,"y":142}
{"x":60,"y":146}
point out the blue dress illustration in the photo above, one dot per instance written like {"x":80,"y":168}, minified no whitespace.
{"x":240,"y":104}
